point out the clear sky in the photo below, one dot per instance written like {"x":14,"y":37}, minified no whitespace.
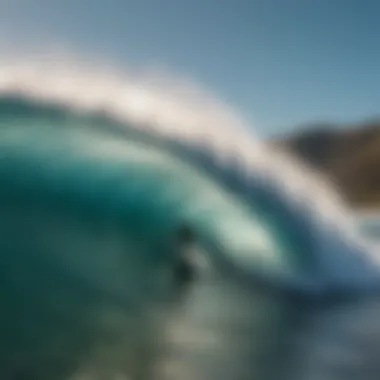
{"x":280,"y":62}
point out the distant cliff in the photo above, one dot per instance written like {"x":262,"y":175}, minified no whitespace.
{"x":351,"y":156}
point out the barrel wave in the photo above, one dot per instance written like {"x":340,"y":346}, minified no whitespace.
{"x":98,"y":175}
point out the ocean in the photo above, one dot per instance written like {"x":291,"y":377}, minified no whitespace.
{"x":99,"y":173}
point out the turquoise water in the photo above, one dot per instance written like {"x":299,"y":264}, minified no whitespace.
{"x":90,"y":209}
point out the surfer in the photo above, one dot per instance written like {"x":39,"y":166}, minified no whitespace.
{"x":185,"y":268}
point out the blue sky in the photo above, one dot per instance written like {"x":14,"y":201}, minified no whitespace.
{"x":281,"y":63}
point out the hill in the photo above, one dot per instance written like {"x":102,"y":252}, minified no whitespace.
{"x":350,"y":156}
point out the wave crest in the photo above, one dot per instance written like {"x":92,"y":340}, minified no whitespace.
{"x":176,"y":110}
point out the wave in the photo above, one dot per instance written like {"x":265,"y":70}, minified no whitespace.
{"x":259,"y":210}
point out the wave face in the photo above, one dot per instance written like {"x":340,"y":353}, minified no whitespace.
{"x":98,"y":172}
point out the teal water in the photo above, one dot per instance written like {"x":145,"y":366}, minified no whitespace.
{"x":90,"y":210}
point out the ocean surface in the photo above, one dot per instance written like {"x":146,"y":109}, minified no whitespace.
{"x":228,"y":333}
{"x":370,"y":226}
{"x":266,"y":336}
{"x":107,"y":171}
